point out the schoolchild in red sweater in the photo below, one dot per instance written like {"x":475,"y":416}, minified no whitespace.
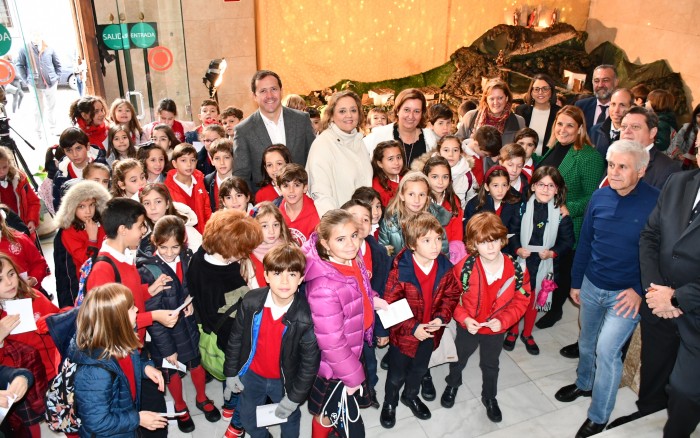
{"x":17,"y":193}
{"x":298,"y":210}
{"x":388,"y":166}
{"x":423,"y":276}
{"x":31,"y":265}
{"x":221,"y":154}
{"x":186,"y":183}
{"x":275,"y":157}
{"x":275,"y":232}
{"x":528,"y":139}
{"x":486,"y":142}
{"x":496,"y":297}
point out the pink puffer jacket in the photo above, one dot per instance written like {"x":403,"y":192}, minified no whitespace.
{"x":337,"y":312}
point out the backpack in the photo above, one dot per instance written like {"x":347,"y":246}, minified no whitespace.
{"x":469,"y":266}
{"x":85,"y":273}
{"x":60,"y":407}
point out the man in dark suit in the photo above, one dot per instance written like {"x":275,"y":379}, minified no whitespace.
{"x":271,"y":124}
{"x":669,"y":254}
{"x":604,"y":134}
{"x":595,"y":109}
{"x":640,"y":124}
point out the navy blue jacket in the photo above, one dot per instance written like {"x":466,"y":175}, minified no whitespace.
{"x":381,"y":265}
{"x":511,"y":215}
{"x":203,"y":162}
{"x":588,"y":106}
{"x":209,"y":184}
{"x":601,"y":137}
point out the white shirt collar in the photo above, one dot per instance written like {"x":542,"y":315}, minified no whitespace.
{"x":185,"y":187}
{"x":126,"y":257}
{"x":648,"y":148}
{"x":277,"y":311}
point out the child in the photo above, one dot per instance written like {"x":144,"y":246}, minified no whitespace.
{"x":440,"y":117}
{"x":371,"y":197}
{"x":376,"y":116}
{"x":221,"y":154}
{"x":128,"y":178}
{"x":496,"y":196}
{"x":89,"y":114}
{"x":122,"y":112}
{"x":120,"y":144}
{"x":153,"y":158}
{"x":99,"y":173}
{"x":413,"y":197}
{"x":180,"y":343}
{"x":546,"y":233}
{"x":423,"y":276}
{"x":378,"y":263}
{"x":298,"y":210}
{"x":342,"y":307}
{"x":486,"y":143}
{"x":495,"y":294}
{"x":294,"y":101}
{"x":463,"y":180}
{"x":528,"y":139}
{"x":274,"y":158}
{"x":81,"y":234}
{"x":16,"y":192}
{"x":209,"y":135}
{"x":186,"y":184}
{"x":437,"y":169}
{"x":388,"y":166}
{"x":230,"y":117}
{"x":275,"y":232}
{"x":215,"y":282}
{"x":208,"y":115}
{"x":315,"y":117}
{"x":235,"y":194}
{"x":23,"y":252}
{"x":165,"y":137}
{"x":271,"y":320}
{"x":108,"y":380}
{"x":167,"y":112}
{"x":75,"y":153}
{"x":158,"y":203}
{"x":512,"y":157}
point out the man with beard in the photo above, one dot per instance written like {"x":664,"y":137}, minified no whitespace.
{"x":595,"y":109}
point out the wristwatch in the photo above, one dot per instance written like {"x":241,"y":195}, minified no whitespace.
{"x":674,"y":301}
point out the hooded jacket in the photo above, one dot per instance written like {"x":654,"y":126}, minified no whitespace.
{"x":338,"y":314}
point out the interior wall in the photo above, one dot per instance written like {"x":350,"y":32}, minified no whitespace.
{"x":315,"y":43}
{"x":650,"y":31}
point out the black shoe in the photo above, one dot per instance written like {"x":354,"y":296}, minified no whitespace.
{"x":570,"y":351}
{"x":448,"y":397}
{"x":589,"y":428}
{"x":509,"y":341}
{"x":384,"y":364}
{"x":570,"y":393}
{"x":530,"y":345}
{"x":388,"y":416}
{"x":427,"y":389}
{"x":185,"y":423}
{"x":419,"y":409}
{"x":549,"y":319}
{"x":210,"y":412}
{"x":626,"y":419}
{"x":492,"y":409}
{"x":373,"y":399}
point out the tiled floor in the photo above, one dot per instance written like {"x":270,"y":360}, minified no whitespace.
{"x":526,"y":396}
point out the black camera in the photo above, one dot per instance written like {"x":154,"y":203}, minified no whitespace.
{"x":4,"y":126}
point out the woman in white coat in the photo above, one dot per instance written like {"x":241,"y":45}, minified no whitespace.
{"x":338,"y":162}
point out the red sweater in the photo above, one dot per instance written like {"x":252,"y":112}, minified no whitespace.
{"x":259,"y":271}
{"x":454,"y":229}
{"x":385,"y":195}
{"x":478,"y":169}
{"x":79,"y":247}
{"x":26,"y":200}
{"x":266,"y":193}
{"x":103,"y":273}
{"x":427,"y":284}
{"x":266,"y":362}
{"x":26,"y":256}
{"x":198,"y":201}
{"x":305,"y":224}
{"x":42,"y":342}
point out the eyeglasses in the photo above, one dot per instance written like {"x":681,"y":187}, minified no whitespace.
{"x":543,"y":186}
{"x":539,"y":90}
{"x":624,"y":127}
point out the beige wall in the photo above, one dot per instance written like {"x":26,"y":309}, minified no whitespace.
{"x":650,"y":31}
{"x":315,"y":43}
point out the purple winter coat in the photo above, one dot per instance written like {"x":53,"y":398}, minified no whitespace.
{"x":338,"y":314}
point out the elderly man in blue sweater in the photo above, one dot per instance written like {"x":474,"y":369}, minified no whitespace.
{"x":606,"y":280}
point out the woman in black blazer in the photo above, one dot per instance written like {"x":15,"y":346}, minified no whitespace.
{"x":540,"y":99}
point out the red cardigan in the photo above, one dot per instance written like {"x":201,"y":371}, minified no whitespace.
{"x":28,"y":203}
{"x":385,"y":195}
{"x":479,"y":300}
{"x":266,"y":193}
{"x":79,"y":247}
{"x":454,"y":229}
{"x":198,"y":202}
{"x":26,"y":256}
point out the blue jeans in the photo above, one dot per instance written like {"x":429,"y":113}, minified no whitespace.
{"x":232,"y":403}
{"x":255,"y":392}
{"x":603,"y":334}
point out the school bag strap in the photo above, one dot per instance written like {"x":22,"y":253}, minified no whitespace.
{"x":469,"y":266}
{"x":85,"y":271}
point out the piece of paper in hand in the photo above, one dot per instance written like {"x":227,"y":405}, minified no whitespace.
{"x":265,"y":415}
{"x":188,"y":300}
{"x":180,"y":366}
{"x":398,"y":311}
{"x":10,"y":400}
{"x":24,"y":309}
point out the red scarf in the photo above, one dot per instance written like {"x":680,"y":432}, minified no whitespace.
{"x":486,"y":118}
{"x":96,"y":133}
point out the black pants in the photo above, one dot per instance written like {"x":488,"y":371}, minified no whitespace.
{"x":683,"y":414}
{"x":561,"y":293}
{"x":406,"y":370}
{"x":490,"y":347}
{"x":151,"y":400}
{"x":660,"y":342}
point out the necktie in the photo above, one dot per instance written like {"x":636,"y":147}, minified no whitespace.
{"x":603,"y":114}
{"x":615,"y":135}
{"x":694,"y":213}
